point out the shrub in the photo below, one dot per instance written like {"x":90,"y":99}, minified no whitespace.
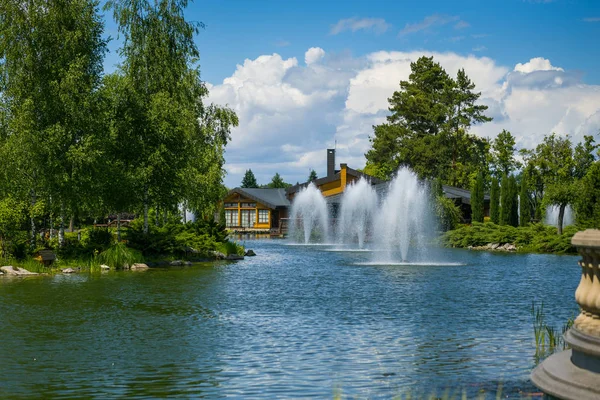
{"x":120,"y":256}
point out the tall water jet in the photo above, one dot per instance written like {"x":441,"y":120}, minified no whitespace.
{"x":308,"y":216}
{"x":404,"y":219}
{"x":552,"y":216}
{"x":357,"y":210}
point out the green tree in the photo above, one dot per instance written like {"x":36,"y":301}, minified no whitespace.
{"x":51,"y":57}
{"x":249,"y":180}
{"x":160,"y":65}
{"x":428,"y":127}
{"x":312,"y":176}
{"x":495,"y":201}
{"x":587,"y":204}
{"x":503,"y":150}
{"x":513,"y":215}
{"x":505,"y":201}
{"x":277,"y":182}
{"x":524,"y":203}
{"x":477,"y":199}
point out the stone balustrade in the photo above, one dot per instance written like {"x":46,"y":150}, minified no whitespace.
{"x":575,"y":373}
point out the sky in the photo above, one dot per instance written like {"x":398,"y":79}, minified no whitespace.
{"x":304,"y":76}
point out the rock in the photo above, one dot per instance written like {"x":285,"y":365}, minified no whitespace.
{"x":495,"y":246}
{"x":176,"y":263}
{"x":139,"y":267}
{"x":233,"y":257}
{"x":218,"y":255}
{"x":187,"y":263}
{"x":68,"y":271}
{"x":12,"y":271}
{"x":104,"y":267}
{"x":511,"y":247}
{"x":250,"y":253}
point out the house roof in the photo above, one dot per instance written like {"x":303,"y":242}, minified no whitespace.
{"x":335,"y":177}
{"x":271,"y":198}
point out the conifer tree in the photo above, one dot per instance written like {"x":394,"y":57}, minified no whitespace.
{"x":505,"y":201}
{"x":524,"y":203}
{"x":495,"y":201}
{"x":312,"y":176}
{"x":249,"y":180}
{"x":513,"y":214}
{"x":477,"y":198}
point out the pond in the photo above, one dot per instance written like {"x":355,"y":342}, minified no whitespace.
{"x":292,"y":322}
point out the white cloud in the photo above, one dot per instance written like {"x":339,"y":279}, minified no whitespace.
{"x":462,"y":25}
{"x":290,"y":113}
{"x":536,"y":64}
{"x":479,"y":48}
{"x":592,"y":19}
{"x":313,"y":55}
{"x":377,"y":25}
{"x":428,"y":22}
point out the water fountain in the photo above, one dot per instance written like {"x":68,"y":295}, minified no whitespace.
{"x":404,"y":218}
{"x":552,"y":216}
{"x":358,"y":208}
{"x":308,"y":217}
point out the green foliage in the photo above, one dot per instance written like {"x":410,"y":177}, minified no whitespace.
{"x":119,"y":256}
{"x":447,"y":213}
{"x":313,"y":175}
{"x":11,"y":221}
{"x":477,"y":199}
{"x":503,"y":150}
{"x":249,"y":180}
{"x":230,"y":248}
{"x":587,"y":204}
{"x":533,"y":238}
{"x":277,"y":182}
{"x":495,"y":201}
{"x":428,"y":127}
{"x":524,"y":203}
{"x":199,"y":237}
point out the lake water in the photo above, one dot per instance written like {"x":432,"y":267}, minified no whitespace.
{"x":293,"y":322}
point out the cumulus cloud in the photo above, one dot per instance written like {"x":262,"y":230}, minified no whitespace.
{"x":290,"y":113}
{"x":427,"y":23}
{"x":377,"y":25}
{"x":536,"y":64}
{"x":313,"y":55}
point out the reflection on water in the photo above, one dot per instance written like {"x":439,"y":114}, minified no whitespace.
{"x":294,"y":321}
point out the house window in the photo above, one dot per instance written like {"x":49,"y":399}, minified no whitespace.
{"x":248,"y":205}
{"x":230,"y":205}
{"x":231,"y":218}
{"x":248,"y":218}
{"x":263,"y":216}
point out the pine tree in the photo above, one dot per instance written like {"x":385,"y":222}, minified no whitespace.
{"x":495,"y":202}
{"x":477,"y":199}
{"x":249,"y":180}
{"x":312,"y":176}
{"x":524,"y":201}
{"x":277,"y":182}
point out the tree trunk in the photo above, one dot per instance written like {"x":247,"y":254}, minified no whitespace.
{"x":61,"y":230}
{"x":164,"y":215}
{"x":146,"y":209}
{"x":118,"y":227}
{"x":72,"y":224}
{"x":32,"y":220}
{"x":561,"y":215}
{"x":184,"y":216}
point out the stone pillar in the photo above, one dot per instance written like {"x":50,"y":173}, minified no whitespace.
{"x":575,"y":373}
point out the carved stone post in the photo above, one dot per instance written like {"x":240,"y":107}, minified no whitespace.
{"x":575,"y":373}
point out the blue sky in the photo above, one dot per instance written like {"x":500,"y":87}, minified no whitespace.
{"x":301,"y":101}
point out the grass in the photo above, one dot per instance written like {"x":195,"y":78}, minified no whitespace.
{"x":120,"y":256}
{"x":547,"y":338}
{"x":229,"y":248}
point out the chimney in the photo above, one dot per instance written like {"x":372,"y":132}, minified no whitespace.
{"x":330,"y":162}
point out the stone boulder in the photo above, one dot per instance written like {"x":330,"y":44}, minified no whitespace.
{"x":139,"y":267}
{"x":68,"y":271}
{"x":176,"y":263}
{"x":12,"y":271}
{"x":218,"y":255}
{"x":104,"y":267}
{"x":187,"y":263}
{"x":250,"y":253}
{"x":234,"y":257}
